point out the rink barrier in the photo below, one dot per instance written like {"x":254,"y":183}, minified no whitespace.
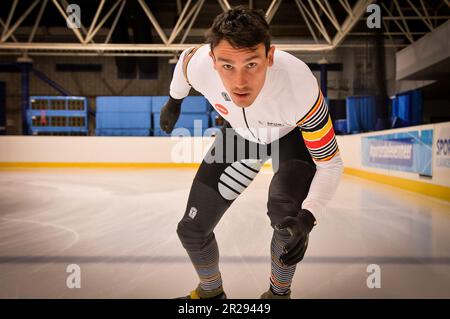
{"x":422,"y":166}
{"x":12,"y":165}
{"x":22,"y":152}
{"x":428,"y":189}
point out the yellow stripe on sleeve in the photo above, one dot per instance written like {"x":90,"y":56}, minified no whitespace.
{"x":317,"y":135}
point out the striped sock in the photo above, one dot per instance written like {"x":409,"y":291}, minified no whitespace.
{"x":206,"y":263}
{"x":281,"y":277}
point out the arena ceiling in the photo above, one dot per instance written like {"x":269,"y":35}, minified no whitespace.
{"x":164,"y":27}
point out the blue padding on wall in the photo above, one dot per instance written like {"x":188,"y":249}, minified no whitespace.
{"x":123,"y":120}
{"x":123,"y":115}
{"x":188,"y":132}
{"x":124,"y":104}
{"x":191,"y":104}
{"x":400,"y":107}
{"x":122,"y":132}
{"x":361,"y":113}
{"x":408,"y":107}
{"x":340,"y":126}
{"x":185,"y":120}
{"x":194,"y":104}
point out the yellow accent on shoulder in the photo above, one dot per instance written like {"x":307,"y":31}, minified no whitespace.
{"x":187,"y":57}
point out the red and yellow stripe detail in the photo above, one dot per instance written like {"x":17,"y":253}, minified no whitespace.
{"x":318,"y":133}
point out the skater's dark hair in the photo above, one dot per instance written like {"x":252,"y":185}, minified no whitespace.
{"x":241,"y":27}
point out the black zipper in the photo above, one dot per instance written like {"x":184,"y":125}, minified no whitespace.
{"x":246,"y":123}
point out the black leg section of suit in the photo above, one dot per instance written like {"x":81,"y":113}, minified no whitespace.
{"x":290,"y":184}
{"x":206,"y":205}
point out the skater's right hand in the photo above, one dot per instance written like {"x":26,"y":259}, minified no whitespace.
{"x":170,"y":114}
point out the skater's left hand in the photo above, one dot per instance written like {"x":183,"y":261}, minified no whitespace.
{"x":169,"y":115}
{"x":299,"y":227}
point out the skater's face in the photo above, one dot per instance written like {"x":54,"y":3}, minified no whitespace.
{"x":242,"y":70}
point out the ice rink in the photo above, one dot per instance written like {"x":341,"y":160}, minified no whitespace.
{"x":118,"y":226}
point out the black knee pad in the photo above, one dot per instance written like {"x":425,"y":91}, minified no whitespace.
{"x":204,"y":209}
{"x":288,"y":188}
{"x":191,"y":236}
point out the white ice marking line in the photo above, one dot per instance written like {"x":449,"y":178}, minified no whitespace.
{"x":76,"y":235}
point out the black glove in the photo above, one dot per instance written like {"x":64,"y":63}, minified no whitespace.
{"x":169,"y":115}
{"x":299,"y":227}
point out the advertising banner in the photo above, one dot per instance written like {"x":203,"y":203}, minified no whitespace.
{"x":405,"y":151}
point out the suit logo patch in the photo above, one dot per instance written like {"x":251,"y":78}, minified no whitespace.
{"x":226,"y":96}
{"x":274,"y":124}
{"x":222,"y":109}
{"x":193,"y":212}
